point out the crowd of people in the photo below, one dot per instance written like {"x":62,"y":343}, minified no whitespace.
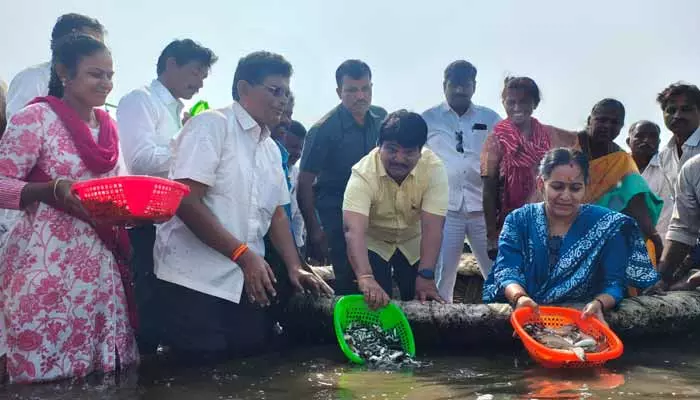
{"x":551,"y":215}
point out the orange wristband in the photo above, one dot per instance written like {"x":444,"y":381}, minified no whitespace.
{"x":238,"y":252}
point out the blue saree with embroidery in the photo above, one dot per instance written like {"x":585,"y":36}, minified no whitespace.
{"x":603,"y":252}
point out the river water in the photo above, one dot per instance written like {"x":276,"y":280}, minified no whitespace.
{"x":657,"y":369}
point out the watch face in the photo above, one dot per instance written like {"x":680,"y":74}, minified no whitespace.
{"x":426,"y":273}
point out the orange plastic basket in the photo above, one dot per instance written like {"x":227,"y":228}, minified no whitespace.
{"x":555,"y":317}
{"x":121,"y":199}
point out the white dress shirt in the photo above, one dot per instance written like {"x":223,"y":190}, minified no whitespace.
{"x":671,"y":162}
{"x":297,"y":219}
{"x":148,"y":119}
{"x":227,"y":151}
{"x":685,"y":220}
{"x":662,"y":174}
{"x":26,"y":85}
{"x":463,"y":169}
{"x":660,"y":183}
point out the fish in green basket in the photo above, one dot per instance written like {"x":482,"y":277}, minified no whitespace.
{"x":380,"y":349}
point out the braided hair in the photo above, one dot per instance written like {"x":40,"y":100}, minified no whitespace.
{"x":68,"y":52}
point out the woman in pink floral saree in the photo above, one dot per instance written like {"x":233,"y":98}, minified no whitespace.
{"x":62,"y":281}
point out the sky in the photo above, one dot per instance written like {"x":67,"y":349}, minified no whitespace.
{"x":578,"y":52}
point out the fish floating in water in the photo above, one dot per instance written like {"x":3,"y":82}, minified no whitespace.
{"x":567,"y":337}
{"x":380,"y":349}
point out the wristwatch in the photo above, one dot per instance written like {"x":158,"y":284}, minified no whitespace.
{"x":426,"y":274}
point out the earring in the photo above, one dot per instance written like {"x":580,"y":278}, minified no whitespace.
{"x":63,"y":82}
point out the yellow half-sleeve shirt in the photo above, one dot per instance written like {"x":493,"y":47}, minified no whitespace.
{"x":394,"y":210}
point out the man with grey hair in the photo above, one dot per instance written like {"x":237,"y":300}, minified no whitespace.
{"x":644,"y":139}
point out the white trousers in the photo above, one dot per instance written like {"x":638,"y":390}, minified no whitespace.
{"x":459,"y":224}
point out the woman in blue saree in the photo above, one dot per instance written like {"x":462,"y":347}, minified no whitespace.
{"x":562,"y":251}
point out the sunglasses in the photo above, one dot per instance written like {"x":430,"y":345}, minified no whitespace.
{"x":277,"y":91}
{"x":460,"y":141}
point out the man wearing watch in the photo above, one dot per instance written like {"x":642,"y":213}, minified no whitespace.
{"x":394,"y":211}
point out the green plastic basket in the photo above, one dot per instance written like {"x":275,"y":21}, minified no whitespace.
{"x":353,"y":308}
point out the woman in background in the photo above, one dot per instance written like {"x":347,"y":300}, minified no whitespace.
{"x":615,"y":180}
{"x":512,"y":153}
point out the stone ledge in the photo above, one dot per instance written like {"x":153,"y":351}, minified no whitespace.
{"x":437,"y":325}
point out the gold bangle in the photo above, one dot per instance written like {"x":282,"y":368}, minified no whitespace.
{"x":55,"y":186}
{"x":365,"y":276}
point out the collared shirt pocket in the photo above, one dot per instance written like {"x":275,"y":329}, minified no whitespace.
{"x":475,"y":138}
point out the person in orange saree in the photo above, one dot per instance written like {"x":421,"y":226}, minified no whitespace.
{"x":615,"y":180}
{"x":512,"y":153}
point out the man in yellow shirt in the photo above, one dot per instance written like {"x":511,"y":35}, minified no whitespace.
{"x":393,"y":212}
